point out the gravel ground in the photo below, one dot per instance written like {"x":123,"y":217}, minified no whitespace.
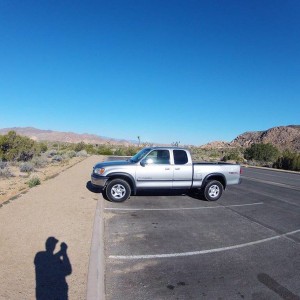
{"x":62,"y":208}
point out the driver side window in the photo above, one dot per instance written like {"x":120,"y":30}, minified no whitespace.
{"x":159,"y":157}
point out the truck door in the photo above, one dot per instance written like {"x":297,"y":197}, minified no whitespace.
{"x":155,"y":170}
{"x":183,"y":170}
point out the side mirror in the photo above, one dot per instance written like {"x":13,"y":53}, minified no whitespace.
{"x":146,"y":161}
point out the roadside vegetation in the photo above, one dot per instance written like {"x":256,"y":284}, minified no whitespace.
{"x":23,"y":157}
{"x":263,"y":155}
{"x":30,"y":156}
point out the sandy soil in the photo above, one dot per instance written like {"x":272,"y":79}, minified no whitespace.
{"x":62,"y":207}
{"x":13,"y":186}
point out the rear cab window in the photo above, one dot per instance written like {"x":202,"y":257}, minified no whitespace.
{"x":180,"y":157}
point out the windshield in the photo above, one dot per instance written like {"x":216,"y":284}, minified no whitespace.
{"x":140,"y":155}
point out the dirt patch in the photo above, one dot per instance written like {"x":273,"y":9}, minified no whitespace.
{"x":12,"y":187}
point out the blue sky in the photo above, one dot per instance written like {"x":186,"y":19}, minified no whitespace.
{"x":188,"y":71}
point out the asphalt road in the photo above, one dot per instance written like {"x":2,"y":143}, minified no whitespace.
{"x":245,"y":246}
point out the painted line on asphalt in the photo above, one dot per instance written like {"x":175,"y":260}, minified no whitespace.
{"x":178,"y":208}
{"x":291,"y":187}
{"x":183,"y":254}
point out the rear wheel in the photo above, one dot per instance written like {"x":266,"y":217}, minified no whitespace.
{"x":213,"y":190}
{"x":118,"y":190}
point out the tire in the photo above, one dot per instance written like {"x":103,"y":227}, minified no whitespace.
{"x":213,"y":190}
{"x":118,"y":190}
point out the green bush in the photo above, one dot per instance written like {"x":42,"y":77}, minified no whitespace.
{"x":80,"y":146}
{"x":104,"y":150}
{"x":234,"y":155}
{"x":288,"y":161}
{"x":262,"y":152}
{"x":14,"y":147}
{"x":33,"y":181}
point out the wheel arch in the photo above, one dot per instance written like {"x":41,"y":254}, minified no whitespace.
{"x":127,"y":177}
{"x":215,"y":176}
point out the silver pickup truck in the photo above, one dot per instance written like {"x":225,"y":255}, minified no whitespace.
{"x":163,"y":168}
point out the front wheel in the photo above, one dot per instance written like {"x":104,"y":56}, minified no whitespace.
{"x":118,"y":190}
{"x":213,"y":190}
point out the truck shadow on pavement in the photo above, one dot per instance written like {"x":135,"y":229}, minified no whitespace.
{"x":92,"y":188}
{"x":51,"y":270}
{"x":192,"y":194}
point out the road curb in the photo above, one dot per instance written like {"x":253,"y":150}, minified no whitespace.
{"x":95,"y":282}
{"x":271,"y":169}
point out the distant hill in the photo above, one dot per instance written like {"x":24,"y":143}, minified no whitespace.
{"x":69,"y":137}
{"x":282,"y":137}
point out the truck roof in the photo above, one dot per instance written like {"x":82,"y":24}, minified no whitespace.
{"x":167,"y":148}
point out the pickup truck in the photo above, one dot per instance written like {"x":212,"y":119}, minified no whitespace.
{"x":159,"y":168}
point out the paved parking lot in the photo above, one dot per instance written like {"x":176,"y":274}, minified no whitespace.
{"x":245,"y":246}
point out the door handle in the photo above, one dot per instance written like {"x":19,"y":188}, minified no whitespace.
{"x":177,"y":168}
{"x":167,"y":168}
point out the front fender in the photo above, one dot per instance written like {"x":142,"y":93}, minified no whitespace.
{"x":128,"y":177}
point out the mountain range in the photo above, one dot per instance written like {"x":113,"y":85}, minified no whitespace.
{"x":66,"y":137}
{"x":283,"y":137}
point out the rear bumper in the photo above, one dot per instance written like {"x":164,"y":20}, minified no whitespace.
{"x":98,"y":181}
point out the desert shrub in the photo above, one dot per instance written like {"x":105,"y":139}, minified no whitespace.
{"x":26,"y":167}
{"x":42,"y":147}
{"x":104,"y":150}
{"x":71,"y":153}
{"x":120,"y":152}
{"x":3,"y":164}
{"x":130,"y":151}
{"x":90,"y":149}
{"x":234,"y":155}
{"x":39,"y":161}
{"x":82,"y":153}
{"x":288,"y":161}
{"x":6,"y":172}
{"x":16,"y":147}
{"x":33,"y":181}
{"x":57,"y":158}
{"x":262,"y":152}
{"x":50,"y":153}
{"x":79,"y":146}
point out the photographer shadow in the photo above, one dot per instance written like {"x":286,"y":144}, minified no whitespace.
{"x":51,"y":270}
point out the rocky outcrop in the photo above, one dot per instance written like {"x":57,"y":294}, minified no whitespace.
{"x":282,"y":137}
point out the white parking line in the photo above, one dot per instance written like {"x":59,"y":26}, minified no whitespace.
{"x":291,"y":187}
{"x":180,"y":208}
{"x":172,"y":255}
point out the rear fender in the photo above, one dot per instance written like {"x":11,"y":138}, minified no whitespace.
{"x":215,"y":176}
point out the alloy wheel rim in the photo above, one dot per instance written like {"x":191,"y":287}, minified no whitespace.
{"x":214,"y":191}
{"x":118,"y":191}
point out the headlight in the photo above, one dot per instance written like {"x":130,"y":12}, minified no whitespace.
{"x":99,"y":171}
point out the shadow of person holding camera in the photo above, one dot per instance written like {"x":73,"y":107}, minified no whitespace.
{"x":51,"y":270}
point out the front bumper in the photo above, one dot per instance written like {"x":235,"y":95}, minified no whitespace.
{"x":98,"y":181}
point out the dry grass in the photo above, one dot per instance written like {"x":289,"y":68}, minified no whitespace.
{"x":12,"y":187}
